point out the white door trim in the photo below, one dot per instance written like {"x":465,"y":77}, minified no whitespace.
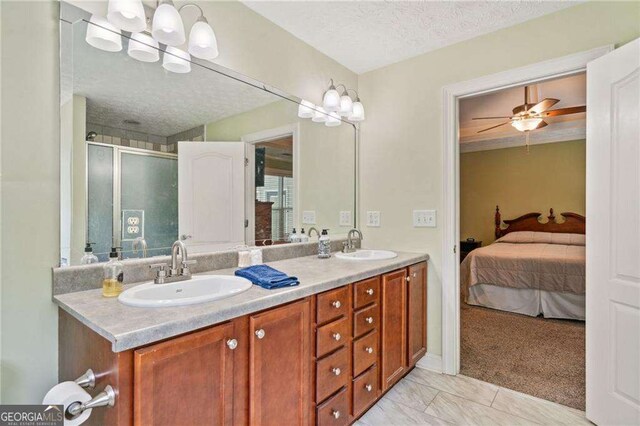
{"x":554,"y":68}
{"x":263,"y":136}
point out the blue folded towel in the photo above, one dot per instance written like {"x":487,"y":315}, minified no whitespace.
{"x":267,"y":277}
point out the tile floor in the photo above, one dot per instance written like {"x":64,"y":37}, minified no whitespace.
{"x":424,"y":397}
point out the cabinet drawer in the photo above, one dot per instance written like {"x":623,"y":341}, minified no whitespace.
{"x":365,"y":352}
{"x":332,"y":304}
{"x":335,"y":411}
{"x":365,"y":390}
{"x":366,"y":320}
{"x":366,"y":292}
{"x":332,"y":336}
{"x":332,"y":373}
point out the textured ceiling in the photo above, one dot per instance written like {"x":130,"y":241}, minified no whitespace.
{"x":120,"y":88}
{"x":365,"y":35}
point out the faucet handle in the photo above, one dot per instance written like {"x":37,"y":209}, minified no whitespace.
{"x":162,"y":272}
{"x":185,"y":266}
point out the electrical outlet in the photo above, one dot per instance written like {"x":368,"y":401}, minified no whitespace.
{"x":309,"y":217}
{"x":424,"y":218}
{"x":373,"y":218}
{"x":345,"y":218}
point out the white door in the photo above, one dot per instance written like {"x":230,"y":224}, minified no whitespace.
{"x":211,"y":187}
{"x":613,"y":237}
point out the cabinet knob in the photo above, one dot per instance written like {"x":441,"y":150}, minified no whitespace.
{"x":370,"y":292}
{"x":369,"y":320}
{"x":336,"y":371}
{"x":407,"y":279}
{"x":335,"y":414}
{"x":336,"y":304}
{"x":260,"y":333}
{"x":232,"y":343}
{"x":337,"y":336}
{"x":415,"y":274}
{"x":368,"y":350}
{"x":369,"y":388}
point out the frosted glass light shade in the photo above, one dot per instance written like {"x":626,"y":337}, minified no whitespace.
{"x":306,"y":109}
{"x":319,"y":115}
{"x":176,"y":60}
{"x":346,"y":105}
{"x":333,"y":120}
{"x":102,"y":35}
{"x":526,"y":124}
{"x":167,"y":25}
{"x":331,"y":100}
{"x":143,"y":48}
{"x":202,"y":41}
{"x":357,"y":113}
{"x":127,"y":15}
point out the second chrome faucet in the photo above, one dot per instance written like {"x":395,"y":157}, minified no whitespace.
{"x":177,"y":271}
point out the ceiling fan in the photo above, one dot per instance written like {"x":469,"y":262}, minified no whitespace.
{"x":529,"y":116}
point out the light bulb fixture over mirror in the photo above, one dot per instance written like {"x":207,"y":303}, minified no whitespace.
{"x":167,"y":26}
{"x":319,"y":115}
{"x":102,"y":35}
{"x":333,"y":120}
{"x":306,"y":109}
{"x":127,"y":15}
{"x":357,"y":111}
{"x":331,"y":99}
{"x":143,"y":48}
{"x":176,"y":60}
{"x":202,"y":40}
{"x":346,"y":103}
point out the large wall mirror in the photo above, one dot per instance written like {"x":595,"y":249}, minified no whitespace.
{"x":152,"y":153}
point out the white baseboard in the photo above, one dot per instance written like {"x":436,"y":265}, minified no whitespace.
{"x":431,"y":362}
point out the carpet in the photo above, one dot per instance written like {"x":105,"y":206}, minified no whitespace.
{"x":536,"y":356}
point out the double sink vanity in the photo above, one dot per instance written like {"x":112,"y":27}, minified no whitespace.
{"x":322,"y":352}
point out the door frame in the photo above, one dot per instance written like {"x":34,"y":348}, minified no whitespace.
{"x":534,"y":73}
{"x":251,"y":139}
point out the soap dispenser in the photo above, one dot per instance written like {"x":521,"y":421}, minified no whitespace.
{"x":113,"y":275}
{"x":293,"y":238}
{"x":303,"y":237}
{"x":324,"y":245}
{"x":88,"y":257}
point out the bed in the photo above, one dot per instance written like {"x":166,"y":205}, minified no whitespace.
{"x":532,"y":268}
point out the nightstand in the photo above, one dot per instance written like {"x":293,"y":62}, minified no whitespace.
{"x":467,"y":247}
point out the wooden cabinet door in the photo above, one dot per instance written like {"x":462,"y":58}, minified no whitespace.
{"x":417,"y":313}
{"x":280,"y":366}
{"x":187,"y":380}
{"x":394,"y":327}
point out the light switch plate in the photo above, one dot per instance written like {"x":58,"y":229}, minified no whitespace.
{"x":424,"y":218}
{"x":345,"y":218}
{"x":309,"y":217}
{"x":373,"y":219}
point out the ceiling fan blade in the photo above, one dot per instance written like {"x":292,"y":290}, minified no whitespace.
{"x":543,"y":105}
{"x":541,"y":125}
{"x":488,"y":118}
{"x":564,"y":111}
{"x":489,"y":128}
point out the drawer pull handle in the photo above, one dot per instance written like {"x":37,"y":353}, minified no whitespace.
{"x":260,"y":333}
{"x":336,"y":304}
{"x":232,"y":344}
{"x":369,"y":292}
{"x":336,"y":371}
{"x":369,"y":320}
{"x":337,"y":336}
{"x":368,"y":350}
{"x":335,"y":414}
{"x":369,"y":388}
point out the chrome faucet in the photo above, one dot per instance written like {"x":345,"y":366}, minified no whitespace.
{"x":348,"y":246}
{"x":313,"y":228}
{"x":139,"y":242}
{"x":177,"y":272}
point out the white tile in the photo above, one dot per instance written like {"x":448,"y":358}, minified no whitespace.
{"x":466,"y":387}
{"x":149,"y":146}
{"x":389,"y":413}
{"x":163,"y":148}
{"x":107,"y":139}
{"x":458,"y":410}
{"x":133,"y":143}
{"x":412,"y":394}
{"x":98,"y":138}
{"x":115,"y":140}
{"x":536,"y":409}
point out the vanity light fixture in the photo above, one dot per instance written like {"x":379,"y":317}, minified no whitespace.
{"x":319,"y":115}
{"x":333,"y":119}
{"x":334,"y":107}
{"x":331,"y":98}
{"x":306,"y":109}
{"x":202,"y":40}
{"x":127,"y":15}
{"x":176,"y":60}
{"x":143,"y":48}
{"x":357,"y":110}
{"x":102,"y":35}
{"x":167,"y":25}
{"x":346,"y":103}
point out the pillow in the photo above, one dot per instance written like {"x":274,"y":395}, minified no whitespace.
{"x":543,"y":238}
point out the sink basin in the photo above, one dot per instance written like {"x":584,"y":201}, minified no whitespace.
{"x":367,"y":255}
{"x":199,"y":289}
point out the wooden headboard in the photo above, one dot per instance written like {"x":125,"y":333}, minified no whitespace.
{"x":573,"y":223}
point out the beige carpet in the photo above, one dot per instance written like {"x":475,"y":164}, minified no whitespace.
{"x":536,"y":356}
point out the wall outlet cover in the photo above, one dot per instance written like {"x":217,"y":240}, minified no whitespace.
{"x":373,"y":219}
{"x":309,"y":217}
{"x":345,"y":218}
{"x":424,"y":218}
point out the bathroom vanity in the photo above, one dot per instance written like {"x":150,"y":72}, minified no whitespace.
{"x":319,"y":353}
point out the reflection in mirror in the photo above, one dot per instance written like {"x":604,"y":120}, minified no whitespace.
{"x":215,"y":159}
